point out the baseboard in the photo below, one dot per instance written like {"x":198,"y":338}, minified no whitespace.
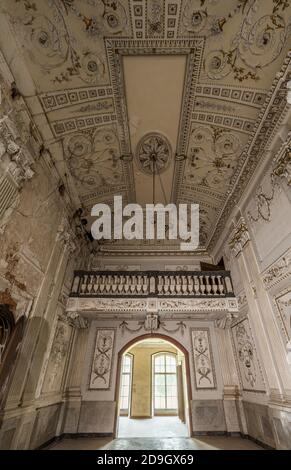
{"x":257,"y":441}
{"x":78,"y":435}
{"x":140,"y":417}
{"x":233,"y":434}
{"x":193,"y":434}
{"x":208,"y":433}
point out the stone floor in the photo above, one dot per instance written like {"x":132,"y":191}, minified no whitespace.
{"x":165,"y":426}
{"x":146,"y":443}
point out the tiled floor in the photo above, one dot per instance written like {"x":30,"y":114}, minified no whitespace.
{"x":165,"y":426}
{"x":160,"y":432}
{"x":146,"y":443}
{"x":180,"y":443}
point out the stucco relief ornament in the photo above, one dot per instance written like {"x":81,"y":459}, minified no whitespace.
{"x":213,"y":157}
{"x":283,"y":167}
{"x":48,"y":45}
{"x":92,"y":70}
{"x":246,"y":354}
{"x":198,"y":21}
{"x":152,"y":323}
{"x":216,"y":65}
{"x":239,"y":237}
{"x":261,"y":38}
{"x":102,"y":360}
{"x":94,"y":160}
{"x":153,"y":153}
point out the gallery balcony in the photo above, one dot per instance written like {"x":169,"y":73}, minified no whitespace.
{"x":160,"y":284}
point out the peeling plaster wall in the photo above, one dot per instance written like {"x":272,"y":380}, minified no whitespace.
{"x":36,"y":266}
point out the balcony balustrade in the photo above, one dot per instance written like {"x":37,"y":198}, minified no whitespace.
{"x":152,"y":284}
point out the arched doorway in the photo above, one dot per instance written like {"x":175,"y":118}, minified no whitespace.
{"x":173,"y":402}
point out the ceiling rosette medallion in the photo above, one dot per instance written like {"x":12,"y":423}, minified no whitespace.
{"x":154,"y":152}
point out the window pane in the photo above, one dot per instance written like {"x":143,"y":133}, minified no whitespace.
{"x":170,"y":364}
{"x":171,"y":379}
{"x":165,"y":382}
{"x":171,"y":403}
{"x":125,"y":382}
{"x":160,"y":403}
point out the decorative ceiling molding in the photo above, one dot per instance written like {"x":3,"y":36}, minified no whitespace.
{"x":74,"y":52}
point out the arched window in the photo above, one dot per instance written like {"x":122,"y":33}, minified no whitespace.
{"x":165,"y":382}
{"x":125,"y":390}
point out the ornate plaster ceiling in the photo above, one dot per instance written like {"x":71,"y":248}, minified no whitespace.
{"x":201,"y":76}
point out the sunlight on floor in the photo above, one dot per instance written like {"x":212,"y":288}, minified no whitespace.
{"x":158,"y":426}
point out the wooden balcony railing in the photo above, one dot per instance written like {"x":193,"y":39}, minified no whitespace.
{"x":152,"y":284}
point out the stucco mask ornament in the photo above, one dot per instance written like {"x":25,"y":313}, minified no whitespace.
{"x":151,"y":322}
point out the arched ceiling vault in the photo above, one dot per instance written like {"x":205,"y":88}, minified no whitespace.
{"x":202,"y":83}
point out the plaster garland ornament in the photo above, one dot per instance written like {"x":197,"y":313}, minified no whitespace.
{"x":152,"y":323}
{"x":263,"y":202}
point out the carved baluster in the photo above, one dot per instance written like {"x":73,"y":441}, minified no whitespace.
{"x":96,"y":284}
{"x":190,"y":285}
{"x":145,"y":285}
{"x":152,"y":285}
{"x":108,"y":281}
{"x":114,"y":284}
{"x":84,"y":284}
{"x":102,"y":284}
{"x":172,"y":285}
{"x":121,"y":284}
{"x":202,"y":285}
{"x":178,"y":286}
{"x":160,"y":284}
{"x":90,"y":284}
{"x":139,"y":284}
{"x":133,"y":284}
{"x":126,"y":285}
{"x":184,"y":285}
{"x":196,"y":285}
{"x":166,"y":284}
{"x":208,"y":285}
{"x":214,"y":285}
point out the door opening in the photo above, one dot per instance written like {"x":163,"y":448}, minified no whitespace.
{"x":153,"y":395}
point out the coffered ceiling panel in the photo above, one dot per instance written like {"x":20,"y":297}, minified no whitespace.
{"x":205,"y":77}
{"x":154,"y":90}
